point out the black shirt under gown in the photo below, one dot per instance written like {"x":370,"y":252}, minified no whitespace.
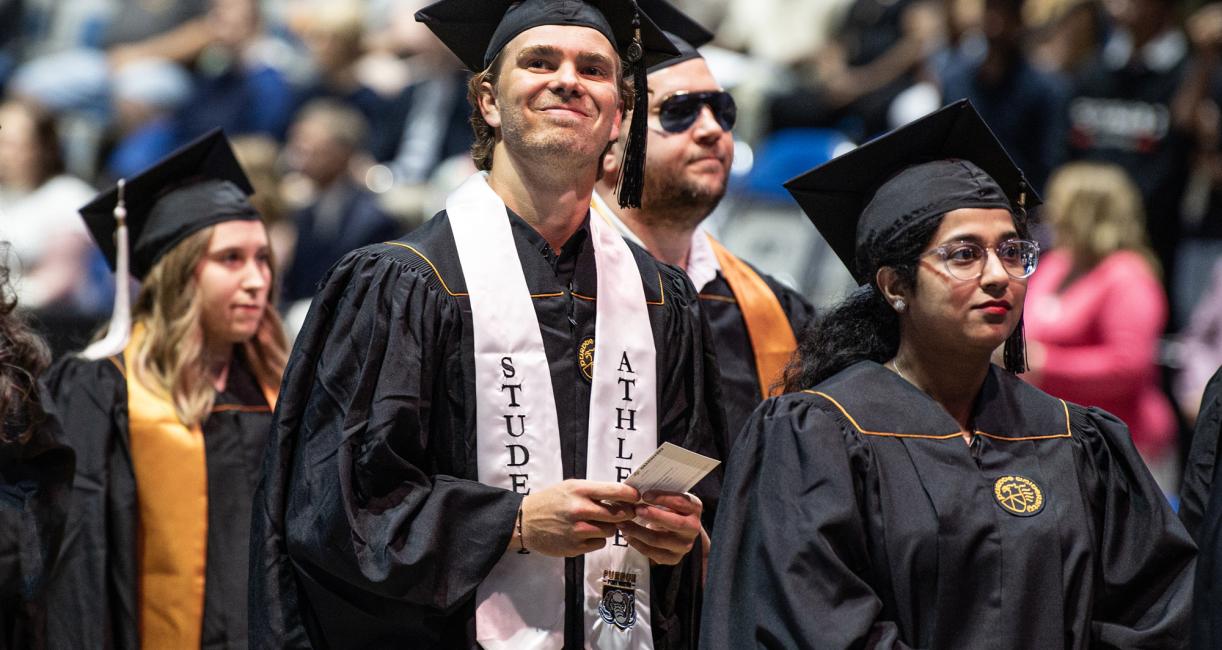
{"x":1201,"y":512}
{"x":93,"y":596}
{"x":35,"y":485}
{"x":739,"y":378}
{"x":858,"y":517}
{"x":371,"y":527}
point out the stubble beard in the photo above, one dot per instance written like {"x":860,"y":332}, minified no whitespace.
{"x":678,"y":204}
{"x":547,"y":146}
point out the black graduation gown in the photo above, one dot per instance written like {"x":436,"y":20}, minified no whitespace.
{"x":371,"y":528}
{"x":867,"y":522}
{"x":739,"y":379}
{"x":92,"y":598}
{"x":35,"y":486}
{"x":1201,"y":512}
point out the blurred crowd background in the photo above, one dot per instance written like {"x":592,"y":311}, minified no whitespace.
{"x":351,"y":120}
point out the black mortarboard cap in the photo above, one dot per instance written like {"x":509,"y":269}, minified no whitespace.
{"x":946,"y":160}
{"x":199,"y":185}
{"x":477,"y":30}
{"x":684,"y":33}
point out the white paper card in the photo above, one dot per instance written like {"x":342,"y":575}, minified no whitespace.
{"x":670,"y":468}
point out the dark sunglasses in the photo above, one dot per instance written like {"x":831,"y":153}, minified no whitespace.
{"x":678,"y":112}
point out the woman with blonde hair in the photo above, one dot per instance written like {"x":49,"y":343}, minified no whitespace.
{"x":1098,"y":308}
{"x":169,"y":413}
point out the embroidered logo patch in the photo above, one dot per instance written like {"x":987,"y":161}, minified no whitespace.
{"x":618,"y":604}
{"x":585,"y":358}
{"x":1018,"y":495}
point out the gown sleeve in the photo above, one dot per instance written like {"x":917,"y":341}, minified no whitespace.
{"x":1202,"y":459}
{"x":92,"y":596}
{"x":361,"y":496}
{"x":1201,"y":512}
{"x":35,"y":485}
{"x":789,"y":564}
{"x":1144,"y":558}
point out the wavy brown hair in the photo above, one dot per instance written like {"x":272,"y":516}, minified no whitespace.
{"x":170,"y":358}
{"x":486,"y":136}
{"x":23,"y":357}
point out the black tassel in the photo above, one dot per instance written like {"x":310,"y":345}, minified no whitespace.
{"x":1014,"y":353}
{"x":632,"y":169}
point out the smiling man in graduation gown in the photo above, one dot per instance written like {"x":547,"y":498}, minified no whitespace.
{"x":753,"y":318}
{"x":462,"y":403}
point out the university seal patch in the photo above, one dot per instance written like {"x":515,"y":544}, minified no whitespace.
{"x":1018,"y":495}
{"x":618,"y":604}
{"x":585,"y":358}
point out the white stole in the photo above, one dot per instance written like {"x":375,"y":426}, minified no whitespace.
{"x":521,"y":602}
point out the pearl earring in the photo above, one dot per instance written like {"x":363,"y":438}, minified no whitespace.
{"x":900,"y":305}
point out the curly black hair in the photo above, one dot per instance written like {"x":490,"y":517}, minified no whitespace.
{"x":23,"y":358}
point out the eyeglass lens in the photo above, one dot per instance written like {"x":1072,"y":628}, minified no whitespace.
{"x":966,"y":261}
{"x":679,"y":112}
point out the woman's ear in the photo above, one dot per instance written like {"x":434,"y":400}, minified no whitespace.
{"x":893,"y":291}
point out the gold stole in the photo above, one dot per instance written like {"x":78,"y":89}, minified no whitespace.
{"x":171,"y":474}
{"x":772,"y":338}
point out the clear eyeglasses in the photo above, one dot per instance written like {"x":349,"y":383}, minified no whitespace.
{"x":966,"y":260}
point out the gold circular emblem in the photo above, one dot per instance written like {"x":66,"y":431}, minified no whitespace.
{"x":585,"y":358}
{"x":1018,"y":495}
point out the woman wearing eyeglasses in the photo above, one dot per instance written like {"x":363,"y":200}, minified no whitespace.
{"x":907,"y":492}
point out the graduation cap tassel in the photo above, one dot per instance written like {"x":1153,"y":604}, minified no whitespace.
{"x":119,"y":331}
{"x":632,"y":171}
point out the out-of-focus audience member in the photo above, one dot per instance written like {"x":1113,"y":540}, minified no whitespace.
{"x":1097,"y":309}
{"x":340,"y":215}
{"x":850,"y":83}
{"x":35,"y":480}
{"x":241,"y":84}
{"x":169,"y":421}
{"x":1199,"y":352}
{"x":1066,"y":35}
{"x":333,"y":32}
{"x":49,"y":250}
{"x":1122,"y":111}
{"x":1024,"y":106}
{"x":432,"y":110}
{"x":259,"y":156}
{"x":147,"y":95}
{"x":1201,"y":512}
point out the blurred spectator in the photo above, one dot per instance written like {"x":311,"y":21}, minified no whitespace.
{"x":1122,"y":111}
{"x":146,"y":95}
{"x":850,"y":84}
{"x":432,"y":111}
{"x":259,"y":156}
{"x":1067,"y":34}
{"x":240,"y":85}
{"x":333,"y":32}
{"x":1096,"y":309}
{"x":339,"y":214}
{"x":1201,"y":245}
{"x":1200,"y":347}
{"x":49,"y":248}
{"x":1024,"y":107}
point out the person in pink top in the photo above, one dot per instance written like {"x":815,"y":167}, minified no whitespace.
{"x":1097,"y":309}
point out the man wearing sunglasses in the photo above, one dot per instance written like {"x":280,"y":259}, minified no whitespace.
{"x":753,"y":317}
